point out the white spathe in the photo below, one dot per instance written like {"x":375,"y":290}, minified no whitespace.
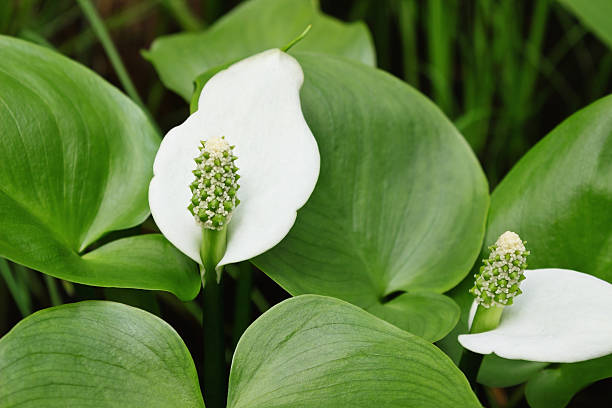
{"x":255,"y":104}
{"x":563,"y":316}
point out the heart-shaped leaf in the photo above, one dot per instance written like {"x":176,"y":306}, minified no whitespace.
{"x":313,"y":351}
{"x":252,"y":27}
{"x":77,"y":157}
{"x":96,"y":354}
{"x":400,"y":203}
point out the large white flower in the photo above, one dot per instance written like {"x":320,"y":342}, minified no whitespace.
{"x":255,"y":105}
{"x":563,"y":316}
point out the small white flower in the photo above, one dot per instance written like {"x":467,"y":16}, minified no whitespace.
{"x":563,"y":316}
{"x":255,"y":105}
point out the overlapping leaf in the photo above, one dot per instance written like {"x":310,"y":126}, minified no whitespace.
{"x":76,"y":160}
{"x":312,"y":351}
{"x":96,"y":354}
{"x":252,"y":27}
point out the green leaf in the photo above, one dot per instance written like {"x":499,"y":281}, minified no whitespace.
{"x":500,"y":372}
{"x":151,"y":262}
{"x":252,"y":27}
{"x":558,"y":198}
{"x":96,"y":354}
{"x":427,"y":314}
{"x":555,"y":387}
{"x":77,"y":159}
{"x":595,"y":15}
{"x":313,"y":351}
{"x":400,"y":203}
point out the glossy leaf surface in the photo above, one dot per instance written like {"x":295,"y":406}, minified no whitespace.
{"x":96,"y":354}
{"x":313,"y":351}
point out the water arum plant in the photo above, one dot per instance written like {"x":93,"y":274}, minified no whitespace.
{"x":563,"y":316}
{"x":254,"y":104}
{"x":249,"y":118}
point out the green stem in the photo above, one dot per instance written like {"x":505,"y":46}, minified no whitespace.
{"x":54,"y":294}
{"x":260,"y":301}
{"x":242,"y":310}
{"x":127,"y":16}
{"x":407,"y":14}
{"x":98,"y":26}
{"x":182,"y":13}
{"x":486,"y":319}
{"x":18,"y":291}
{"x":297,"y":39}
{"x":214,"y":387}
{"x":215,"y":369}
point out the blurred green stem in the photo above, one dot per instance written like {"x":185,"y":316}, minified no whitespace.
{"x":18,"y":290}
{"x":182,"y":13}
{"x":98,"y":27}
{"x":407,"y":16}
{"x":54,"y":294}
{"x":242,"y":310}
{"x":125,"y":17}
{"x":441,"y":25}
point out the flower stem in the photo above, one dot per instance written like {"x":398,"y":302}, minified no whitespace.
{"x":214,"y":350}
{"x":54,"y":295}
{"x":215,"y":370}
{"x":242,"y":312}
{"x":486,"y":319}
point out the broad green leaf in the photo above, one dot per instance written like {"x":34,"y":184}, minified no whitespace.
{"x":252,"y":27}
{"x":555,"y":387}
{"x":500,"y":372}
{"x":558,"y":198}
{"x":595,"y":15}
{"x":77,"y":157}
{"x":96,"y":354}
{"x":313,"y":351}
{"x":400,"y":203}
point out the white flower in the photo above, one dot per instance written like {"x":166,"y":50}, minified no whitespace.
{"x":255,"y":105}
{"x":563,"y":316}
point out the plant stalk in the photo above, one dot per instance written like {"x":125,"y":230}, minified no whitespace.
{"x":242,"y":311}
{"x":98,"y":27}
{"x":215,"y":370}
